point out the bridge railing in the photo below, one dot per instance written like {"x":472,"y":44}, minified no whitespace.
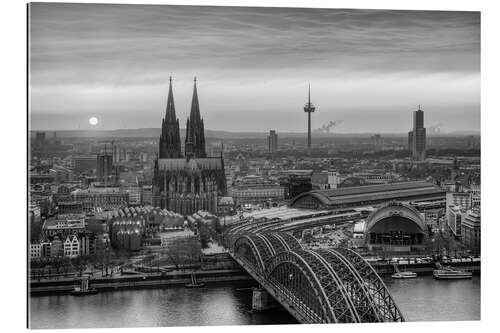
{"x":335,"y":285}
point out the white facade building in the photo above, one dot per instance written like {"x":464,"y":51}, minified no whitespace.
{"x":462,"y":199}
{"x":334,"y":179}
{"x":71,"y":247}
{"x":454,"y":219}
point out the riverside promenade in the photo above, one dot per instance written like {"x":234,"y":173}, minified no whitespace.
{"x":209,"y":273}
{"x":140,"y":280}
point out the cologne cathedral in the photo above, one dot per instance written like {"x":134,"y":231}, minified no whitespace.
{"x":189,"y":182}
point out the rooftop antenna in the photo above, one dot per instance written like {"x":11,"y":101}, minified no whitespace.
{"x":309,"y":94}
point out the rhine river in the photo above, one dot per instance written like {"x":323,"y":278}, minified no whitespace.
{"x":420,"y":299}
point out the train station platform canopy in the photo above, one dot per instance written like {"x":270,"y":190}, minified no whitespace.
{"x":359,"y":196}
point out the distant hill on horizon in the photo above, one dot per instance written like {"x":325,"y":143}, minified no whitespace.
{"x":214,"y":134}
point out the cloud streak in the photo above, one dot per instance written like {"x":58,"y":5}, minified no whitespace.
{"x":112,"y":58}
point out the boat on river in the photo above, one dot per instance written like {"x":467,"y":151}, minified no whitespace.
{"x":448,"y":273}
{"x":402,"y":275}
{"x":84,"y":289}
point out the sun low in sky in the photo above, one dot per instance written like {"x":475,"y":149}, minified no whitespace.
{"x":369,"y":68}
{"x":93,"y":121}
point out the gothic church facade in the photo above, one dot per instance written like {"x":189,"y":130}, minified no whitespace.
{"x":189,"y":182}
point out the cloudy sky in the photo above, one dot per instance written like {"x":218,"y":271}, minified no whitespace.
{"x":368,"y":68}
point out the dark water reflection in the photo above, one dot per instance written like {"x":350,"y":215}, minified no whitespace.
{"x":420,"y":299}
{"x":217,"y":305}
{"x":427,"y":299}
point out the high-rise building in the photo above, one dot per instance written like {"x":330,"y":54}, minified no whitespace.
{"x":272,"y":141}
{"x":186,"y":184}
{"x":416,"y":137}
{"x":377,"y":142}
{"x":309,"y":108}
{"x":104,"y":167}
{"x":115,"y":147}
{"x":38,"y":143}
{"x":40,"y":137}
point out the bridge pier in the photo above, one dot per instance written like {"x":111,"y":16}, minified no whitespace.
{"x":260,"y":299}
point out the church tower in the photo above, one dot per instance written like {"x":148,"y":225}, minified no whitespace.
{"x":195,"y":131}
{"x":186,"y":185}
{"x":170,"y":138}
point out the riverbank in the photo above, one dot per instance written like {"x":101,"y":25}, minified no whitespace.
{"x":136,"y":281}
{"x":420,"y":299}
{"x":207,"y":276}
{"x":425,"y":268}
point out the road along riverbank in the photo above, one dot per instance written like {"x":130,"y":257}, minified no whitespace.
{"x":152,"y":280}
{"x":205,"y":275}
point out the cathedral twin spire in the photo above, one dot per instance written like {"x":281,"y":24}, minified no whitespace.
{"x":195,"y":132}
{"x":170,"y":142}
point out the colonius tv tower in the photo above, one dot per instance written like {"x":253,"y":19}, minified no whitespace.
{"x":309,"y":108}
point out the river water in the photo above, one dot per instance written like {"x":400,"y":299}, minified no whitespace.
{"x":420,"y":299}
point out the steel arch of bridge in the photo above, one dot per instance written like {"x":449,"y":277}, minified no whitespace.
{"x":254,"y":250}
{"x":381,"y":296}
{"x":317,"y":286}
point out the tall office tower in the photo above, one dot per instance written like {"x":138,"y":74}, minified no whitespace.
{"x":416,"y":137}
{"x":40,"y":137}
{"x":272,"y":141}
{"x":115,"y":148}
{"x":170,"y":138}
{"x":195,"y":131}
{"x":104,"y":167}
{"x":309,"y":108}
{"x":377,"y":142}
